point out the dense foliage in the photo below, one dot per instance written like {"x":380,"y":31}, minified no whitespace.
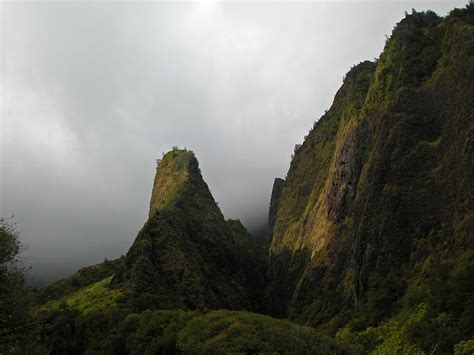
{"x":116,"y":330}
{"x":15,"y":323}
{"x":375,"y":220}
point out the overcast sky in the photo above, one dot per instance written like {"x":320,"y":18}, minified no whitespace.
{"x":93,"y":93}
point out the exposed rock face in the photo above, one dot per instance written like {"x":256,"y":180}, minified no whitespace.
{"x":382,"y":188}
{"x":187,"y":256}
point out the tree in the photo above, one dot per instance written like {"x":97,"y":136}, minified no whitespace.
{"x":14,"y":295}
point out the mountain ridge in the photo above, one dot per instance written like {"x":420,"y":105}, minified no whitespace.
{"x":382,"y":187}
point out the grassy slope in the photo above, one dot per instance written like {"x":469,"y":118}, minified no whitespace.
{"x":92,"y":298}
{"x":84,"y":277}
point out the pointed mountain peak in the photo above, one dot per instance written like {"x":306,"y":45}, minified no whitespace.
{"x":173,"y":171}
{"x":187,"y":255}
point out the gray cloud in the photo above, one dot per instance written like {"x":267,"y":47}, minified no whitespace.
{"x":92,"y":93}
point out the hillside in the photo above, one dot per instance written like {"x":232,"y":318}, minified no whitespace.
{"x":83,"y":277}
{"x":110,"y":330}
{"x":375,"y":220}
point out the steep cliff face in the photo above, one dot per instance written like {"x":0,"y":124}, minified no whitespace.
{"x":277,"y":189}
{"x":309,"y":200}
{"x":377,"y":207}
{"x":186,"y":255}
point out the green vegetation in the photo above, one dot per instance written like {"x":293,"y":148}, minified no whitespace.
{"x":92,"y":298}
{"x":227,"y":332}
{"x":84,"y":277}
{"x":15,"y":301}
{"x":187,"y":255}
{"x":371,"y":234}
{"x":177,"y":331}
{"x":375,"y":218}
{"x":172,"y":172}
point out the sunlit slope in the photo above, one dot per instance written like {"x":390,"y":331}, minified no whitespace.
{"x":92,"y":298}
{"x":83,"y":277}
{"x":376,"y":213}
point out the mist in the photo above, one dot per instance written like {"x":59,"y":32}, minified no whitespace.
{"x":93,"y":93}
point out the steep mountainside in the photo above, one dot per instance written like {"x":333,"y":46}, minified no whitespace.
{"x":186,"y":255}
{"x":376,"y":216}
